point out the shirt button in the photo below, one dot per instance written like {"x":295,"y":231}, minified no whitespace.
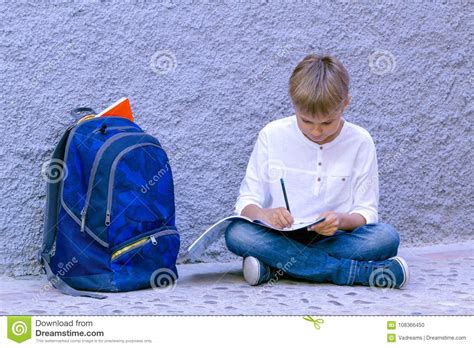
{"x":343,"y":179}
{"x":319,"y":163}
{"x":319,"y":179}
{"x":320,"y":147}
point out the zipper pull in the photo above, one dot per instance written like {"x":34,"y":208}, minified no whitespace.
{"x":83,"y":219}
{"x":103,"y":129}
{"x":153,"y":240}
{"x":107,"y":218}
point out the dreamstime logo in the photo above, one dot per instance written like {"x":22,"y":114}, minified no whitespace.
{"x":382,"y":62}
{"x":172,"y":158}
{"x":163,"y":62}
{"x":272,"y":171}
{"x":382,"y":278}
{"x":163,"y":279}
{"x":63,"y":269}
{"x":281,"y":270}
{"x":54,"y":171}
{"x":152,"y":182}
{"x":19,"y":328}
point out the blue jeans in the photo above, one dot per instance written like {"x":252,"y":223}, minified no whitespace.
{"x":336,"y":259}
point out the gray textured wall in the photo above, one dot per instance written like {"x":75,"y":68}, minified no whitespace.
{"x":205,"y":77}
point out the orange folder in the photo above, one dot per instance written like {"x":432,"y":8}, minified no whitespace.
{"x":120,"y":108}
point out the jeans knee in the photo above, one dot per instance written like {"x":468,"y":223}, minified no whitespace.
{"x":236,"y":235}
{"x":389,"y":234}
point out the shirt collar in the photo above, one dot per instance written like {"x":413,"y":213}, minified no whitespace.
{"x":303,"y":138}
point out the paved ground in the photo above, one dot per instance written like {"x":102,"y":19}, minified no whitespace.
{"x":442,"y":283}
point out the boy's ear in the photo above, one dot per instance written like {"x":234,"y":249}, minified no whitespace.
{"x":347,"y":101}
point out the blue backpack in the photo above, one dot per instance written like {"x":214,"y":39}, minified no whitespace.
{"x":110,"y":212}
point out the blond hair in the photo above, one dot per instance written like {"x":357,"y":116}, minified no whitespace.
{"x":319,"y":85}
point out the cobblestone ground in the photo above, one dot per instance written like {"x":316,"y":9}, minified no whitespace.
{"x":442,"y":283}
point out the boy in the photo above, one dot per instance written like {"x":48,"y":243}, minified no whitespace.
{"x":329,"y":167}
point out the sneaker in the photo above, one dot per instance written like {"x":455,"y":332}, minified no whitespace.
{"x":255,"y":271}
{"x":391,"y":273}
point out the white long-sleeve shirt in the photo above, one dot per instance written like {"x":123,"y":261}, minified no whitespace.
{"x":341,"y":175}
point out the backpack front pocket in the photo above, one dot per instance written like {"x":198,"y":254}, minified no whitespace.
{"x":136,"y":265}
{"x":139,"y":194}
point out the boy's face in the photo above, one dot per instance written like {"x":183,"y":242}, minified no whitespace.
{"x":321,"y":129}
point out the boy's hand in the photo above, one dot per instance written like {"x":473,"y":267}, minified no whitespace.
{"x":329,"y":226}
{"x":277,"y":217}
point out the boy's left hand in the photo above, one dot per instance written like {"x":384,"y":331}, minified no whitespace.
{"x":329,"y":226}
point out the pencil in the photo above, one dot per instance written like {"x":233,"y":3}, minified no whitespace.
{"x":284,"y":194}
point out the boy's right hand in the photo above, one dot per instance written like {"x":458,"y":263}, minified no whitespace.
{"x":277,"y":217}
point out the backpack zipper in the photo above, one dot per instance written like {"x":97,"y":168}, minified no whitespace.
{"x":83,"y":220}
{"x":141,"y":242}
{"x":97,"y":130}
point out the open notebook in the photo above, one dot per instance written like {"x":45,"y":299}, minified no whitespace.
{"x":214,"y":232}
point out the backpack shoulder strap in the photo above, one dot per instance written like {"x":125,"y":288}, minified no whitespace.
{"x":53,"y":188}
{"x":53,"y":199}
{"x":61,"y":285}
